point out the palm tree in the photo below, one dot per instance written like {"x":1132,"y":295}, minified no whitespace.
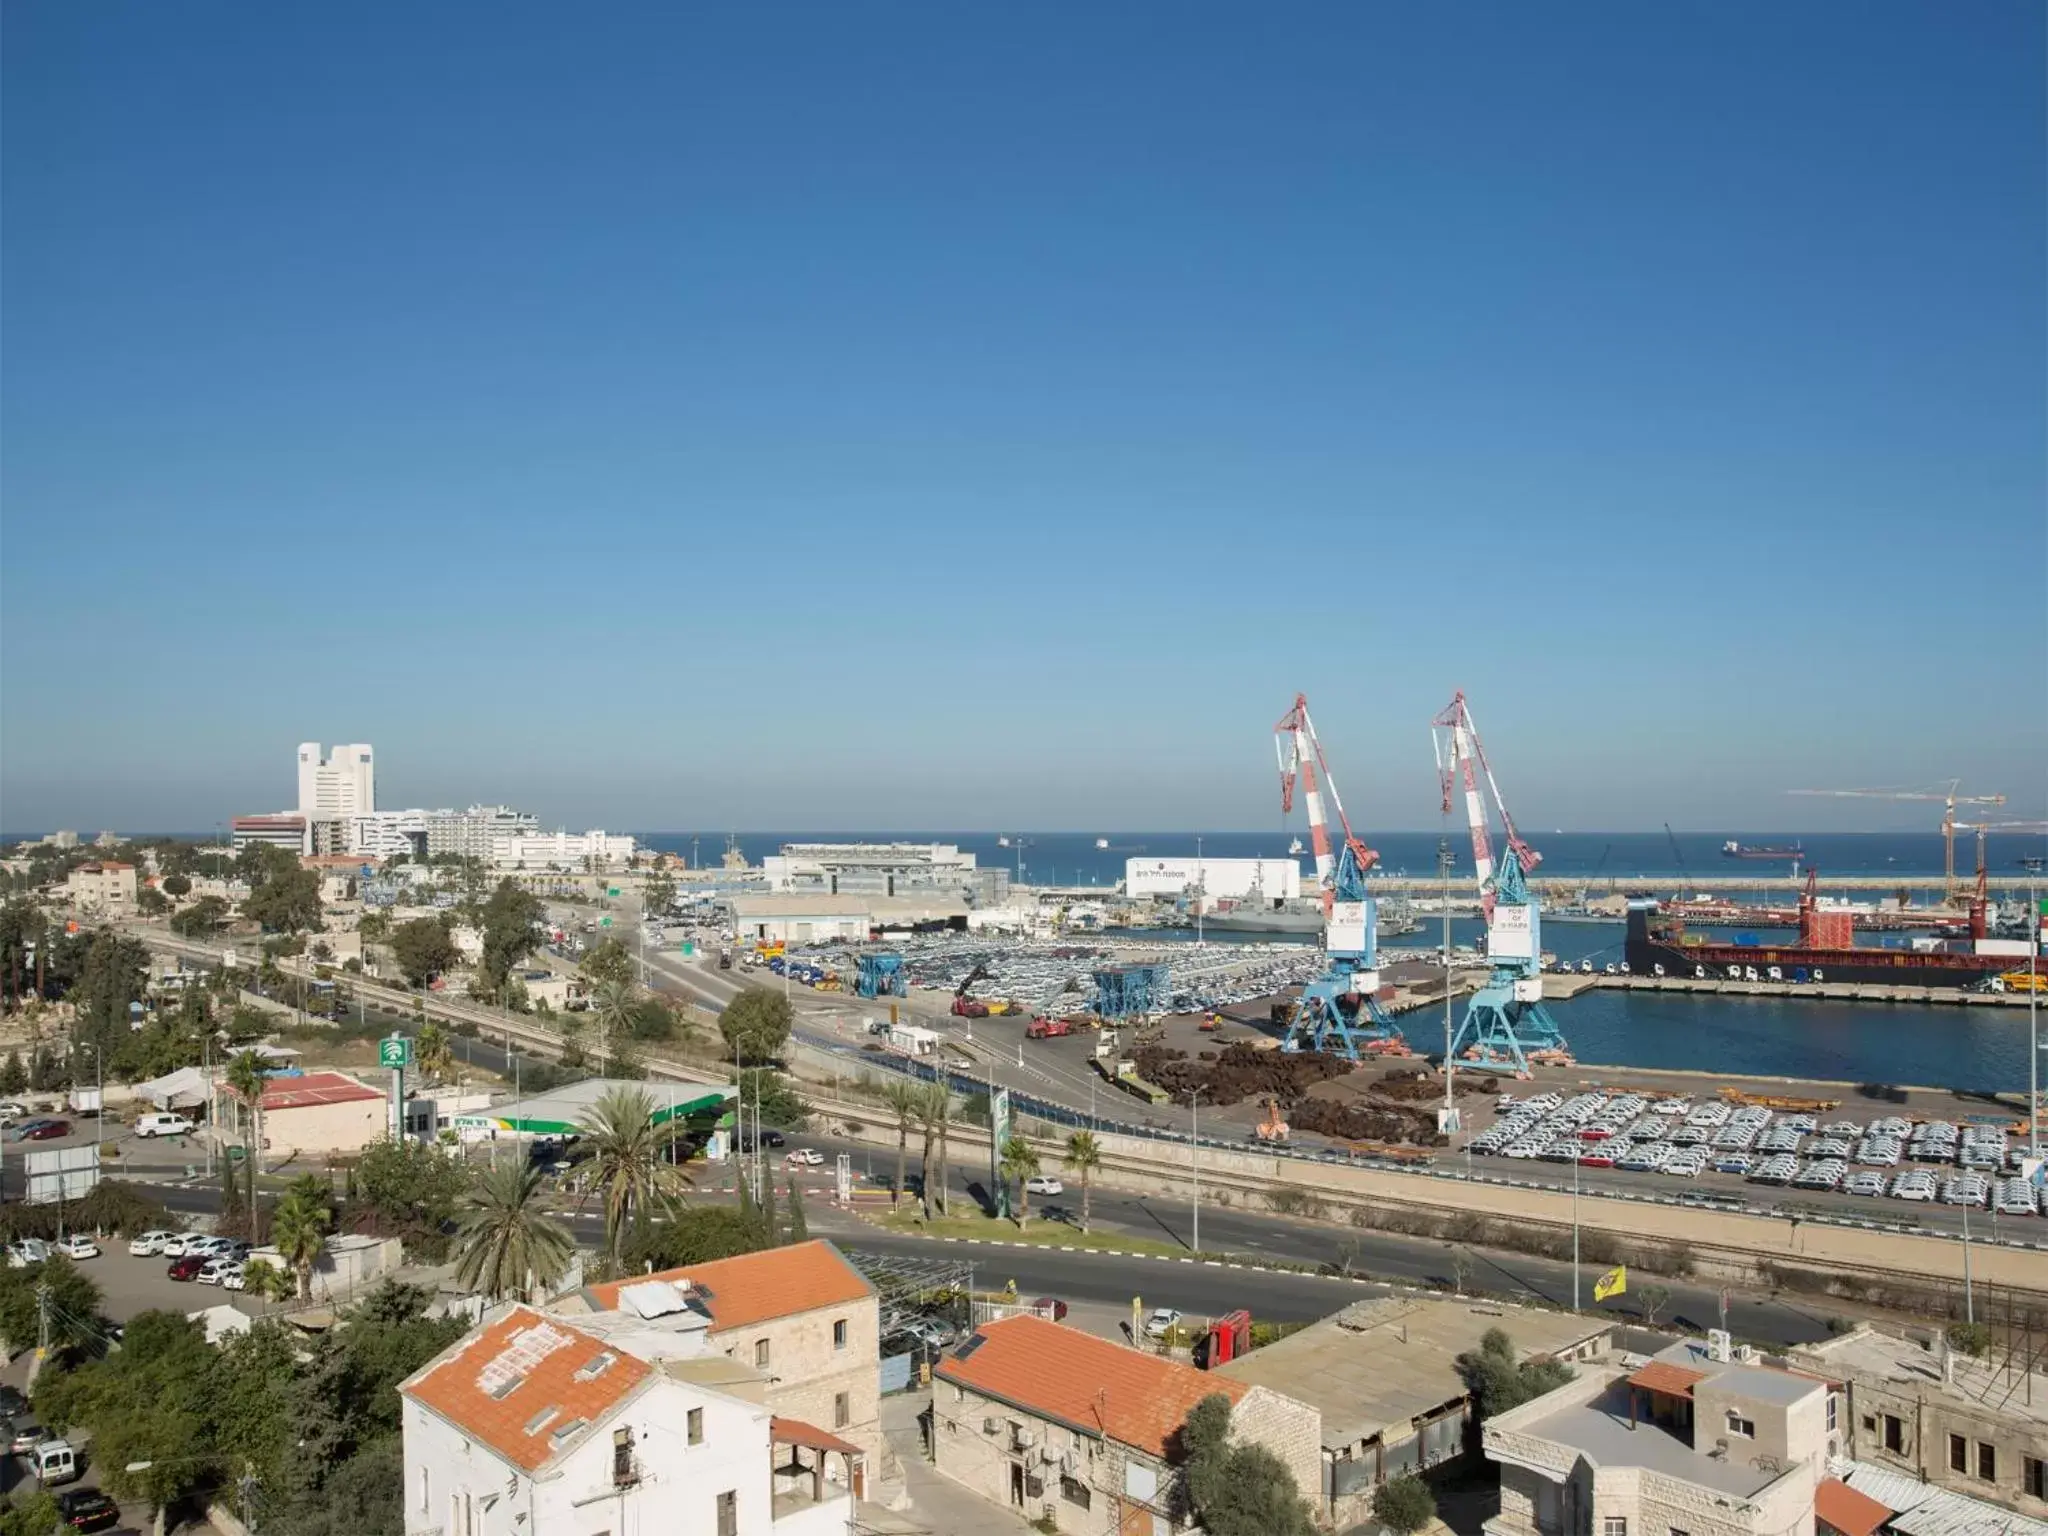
{"x":506,"y":1245}
{"x":932,"y":1104}
{"x":1084,"y":1156}
{"x":298,"y":1230}
{"x":1020,"y":1162}
{"x":613,"y":1003}
{"x":246,"y":1076}
{"x":436,"y":1059}
{"x":904,"y":1099}
{"x":945,"y":1121}
{"x":629,"y":1166}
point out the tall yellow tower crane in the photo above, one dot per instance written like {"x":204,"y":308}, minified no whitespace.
{"x":1949,"y":799}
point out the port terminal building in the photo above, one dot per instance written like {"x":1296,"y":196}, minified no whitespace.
{"x":1218,"y":879}
{"x":885,"y":870}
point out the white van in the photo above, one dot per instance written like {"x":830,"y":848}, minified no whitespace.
{"x":163,"y":1125}
{"x":54,"y":1461}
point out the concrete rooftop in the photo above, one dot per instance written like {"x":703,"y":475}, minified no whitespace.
{"x":1384,"y":1363}
{"x":1599,"y":1430}
{"x":1906,"y":1365}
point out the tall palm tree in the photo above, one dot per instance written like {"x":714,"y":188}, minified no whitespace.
{"x":506,"y":1245}
{"x":932,"y":1103}
{"x":1083,"y":1156}
{"x":629,"y":1167}
{"x":904,"y":1100}
{"x":945,"y":1121}
{"x":432,"y":1053}
{"x":613,"y":1003}
{"x":298,"y":1230}
{"x":246,"y":1076}
{"x":1020,"y":1162}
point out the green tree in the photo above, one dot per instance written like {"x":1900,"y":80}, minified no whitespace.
{"x":1020,"y":1164}
{"x":1236,"y":1490}
{"x":288,"y":902}
{"x":1404,"y":1505}
{"x":202,"y":920}
{"x":246,"y":1076}
{"x":298,"y":1229}
{"x":1499,"y":1380}
{"x":755,"y":1024}
{"x":934,"y":1104}
{"x":114,"y":972}
{"x":781,"y":1106}
{"x":1083,"y":1156}
{"x":75,"y":1322}
{"x":769,"y":1224}
{"x":629,"y":1167}
{"x":178,"y":884}
{"x":904,"y":1100}
{"x":259,"y":862}
{"x":408,"y":1189}
{"x":151,"y":902}
{"x":1654,"y":1299}
{"x":799,"y":1228}
{"x":695,"y":1234}
{"x":608,"y":962}
{"x":509,"y":920}
{"x":35,"y":1515}
{"x":264,"y":1279}
{"x":612,"y":1005}
{"x":13,"y":1075}
{"x":506,"y":1245}
{"x":432,"y":1053}
{"x":424,"y":949}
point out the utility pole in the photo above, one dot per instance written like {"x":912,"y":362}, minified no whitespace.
{"x":1201,"y":895}
{"x":1577,"y":1147}
{"x":1969,"y":1290}
{"x":1443,"y":870}
{"x":1195,"y":1160}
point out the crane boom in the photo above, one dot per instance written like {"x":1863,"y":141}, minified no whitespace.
{"x":1946,"y":795}
{"x":1461,"y":756}
{"x":1301,"y":757}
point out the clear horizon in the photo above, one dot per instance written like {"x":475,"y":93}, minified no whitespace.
{"x":852,"y":416}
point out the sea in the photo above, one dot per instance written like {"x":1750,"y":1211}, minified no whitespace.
{"x":1930,"y":1045}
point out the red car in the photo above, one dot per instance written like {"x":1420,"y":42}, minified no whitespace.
{"x":49,"y":1130}
{"x":187,"y":1266}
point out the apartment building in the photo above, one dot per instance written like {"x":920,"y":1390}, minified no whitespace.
{"x":802,"y":1316}
{"x":1701,"y":1439}
{"x":622,"y":1423}
{"x":560,"y":850}
{"x":105,"y":885}
{"x":1977,"y":1426}
{"x":335,"y":786}
{"x":1055,"y":1423}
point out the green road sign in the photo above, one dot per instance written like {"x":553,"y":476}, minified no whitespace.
{"x":689,"y":948}
{"x":604,"y":922}
{"x":394,"y":1051}
{"x":611,"y":890}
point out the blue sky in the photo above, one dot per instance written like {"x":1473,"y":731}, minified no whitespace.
{"x":938,"y":416}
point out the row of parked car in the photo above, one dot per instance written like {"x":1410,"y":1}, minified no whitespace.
{"x":194,"y":1256}
{"x":1673,"y":1135}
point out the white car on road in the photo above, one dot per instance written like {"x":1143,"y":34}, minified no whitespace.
{"x":78,"y":1246}
{"x":1044,"y":1184}
{"x":805,"y":1157}
{"x":1161,"y":1321}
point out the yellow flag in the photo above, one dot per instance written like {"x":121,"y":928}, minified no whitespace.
{"x":1613,"y":1283}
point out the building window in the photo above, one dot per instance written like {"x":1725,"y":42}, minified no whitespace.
{"x":1834,"y":1411}
{"x":2034,"y":1477}
{"x":760,"y":1354}
{"x":1987,"y":1462}
{"x":1074,"y":1491}
{"x":728,"y":1514}
{"x":696,"y":1423}
{"x":1895,"y":1434}
{"x":1614,"y":1525}
{"x":1958,"y":1454}
{"x":622,"y":1457}
{"x":842,"y":1411}
{"x":1675,"y":1531}
{"x":1738,"y":1425}
{"x":839,"y":1334}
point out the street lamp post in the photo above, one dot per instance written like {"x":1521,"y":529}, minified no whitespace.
{"x":1195,"y":1160}
{"x":1443,"y":869}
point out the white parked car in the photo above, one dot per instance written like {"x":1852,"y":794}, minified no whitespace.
{"x":150,"y":1244}
{"x":1044,"y":1184}
{"x":27,"y":1251}
{"x":214,"y":1271}
{"x":11,"y":1111}
{"x":1161,"y":1321}
{"x":805,"y":1157}
{"x":78,"y":1246}
{"x":163,"y":1125}
{"x":236,"y":1279}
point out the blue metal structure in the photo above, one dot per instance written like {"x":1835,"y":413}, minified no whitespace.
{"x":1339,"y":1009}
{"x":1128,"y":991}
{"x":882,"y":975}
{"x":1506,"y":1021}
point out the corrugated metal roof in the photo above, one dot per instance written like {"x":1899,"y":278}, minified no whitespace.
{"x":1925,"y":1510}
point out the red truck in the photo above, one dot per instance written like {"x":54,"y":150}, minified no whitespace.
{"x":1046,"y":1029}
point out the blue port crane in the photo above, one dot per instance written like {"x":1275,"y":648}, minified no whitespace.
{"x":1339,"y":1010}
{"x":1505,"y":1023}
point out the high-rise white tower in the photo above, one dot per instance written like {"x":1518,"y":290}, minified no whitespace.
{"x":342,"y":783}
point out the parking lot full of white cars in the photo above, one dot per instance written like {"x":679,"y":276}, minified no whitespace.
{"x":1969,"y":1164}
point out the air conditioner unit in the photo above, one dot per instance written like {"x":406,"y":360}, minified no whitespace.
{"x":1718,"y":1344}
{"x":1026,"y":1438}
{"x":1048,"y":1455}
{"x":991,"y":1426}
{"x":1746,"y":1353}
{"x":1069,"y":1461}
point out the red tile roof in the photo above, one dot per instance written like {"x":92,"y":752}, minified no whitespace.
{"x":312,"y":1088}
{"x":522,"y":1381}
{"x":1850,"y":1512}
{"x":757,"y":1287}
{"x":797,"y":1432}
{"x":1662,"y":1376}
{"x":1090,"y":1384}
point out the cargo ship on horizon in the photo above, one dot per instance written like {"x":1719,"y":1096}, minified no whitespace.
{"x":1826,"y":950}
{"x":1738,"y":850}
